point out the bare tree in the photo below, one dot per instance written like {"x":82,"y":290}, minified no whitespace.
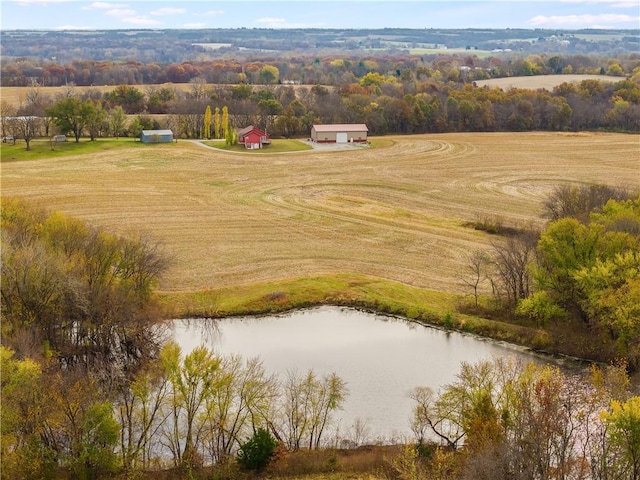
{"x":475,"y":272}
{"x":512,"y":260}
{"x":7,"y":111}
{"x":308,"y":403}
{"x":579,"y":201}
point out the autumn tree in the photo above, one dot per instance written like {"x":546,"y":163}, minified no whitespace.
{"x":269,"y":74}
{"x":142,"y":412}
{"x":85,"y":293}
{"x":523,"y":421}
{"x":217,"y":123}
{"x":207,"y":122}
{"x":96,"y":120}
{"x":193,"y":380}
{"x":25,"y":409}
{"x":71,"y":115}
{"x":623,"y":422}
{"x":512,"y":261}
{"x":224,"y":122}
{"x":117,"y":120}
{"x":243,"y":401}
{"x":128,"y":97}
{"x":308,"y":405}
{"x":27,"y":125}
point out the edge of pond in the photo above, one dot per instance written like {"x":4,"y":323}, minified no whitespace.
{"x":374,"y":295}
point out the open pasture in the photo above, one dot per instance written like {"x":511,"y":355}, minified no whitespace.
{"x":396,"y":211}
{"x":547,"y":82}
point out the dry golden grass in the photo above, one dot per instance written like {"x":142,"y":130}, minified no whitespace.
{"x":549,"y":82}
{"x":396,"y":211}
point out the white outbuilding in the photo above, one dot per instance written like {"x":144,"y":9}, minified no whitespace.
{"x":339,"y":133}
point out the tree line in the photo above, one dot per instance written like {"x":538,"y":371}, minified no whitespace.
{"x":335,"y":70}
{"x":90,"y":382}
{"x":386,"y":104}
{"x":579,"y":276}
{"x":504,"y":420}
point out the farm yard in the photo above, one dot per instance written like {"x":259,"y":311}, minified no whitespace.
{"x":399,"y":210}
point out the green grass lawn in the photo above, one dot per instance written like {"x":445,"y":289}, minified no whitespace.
{"x":276,"y":146}
{"x":44,"y":148}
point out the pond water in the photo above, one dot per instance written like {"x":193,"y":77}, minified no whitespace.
{"x":381,"y":358}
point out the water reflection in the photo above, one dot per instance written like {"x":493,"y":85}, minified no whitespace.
{"x":380,"y":358}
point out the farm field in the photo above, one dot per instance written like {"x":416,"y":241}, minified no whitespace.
{"x":548,"y":82}
{"x":397,"y":210}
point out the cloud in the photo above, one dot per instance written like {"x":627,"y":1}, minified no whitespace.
{"x":120,"y":12}
{"x":168,"y":11}
{"x":214,"y":12}
{"x":610,"y":3}
{"x":272,"y":21}
{"x":592,"y":2}
{"x":39,"y":3}
{"x":105,"y":5}
{"x":194,"y":25}
{"x":583,"y":21}
{"x":142,"y":21}
{"x":279,"y":22}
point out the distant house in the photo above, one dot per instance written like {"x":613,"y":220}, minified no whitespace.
{"x":339,"y":133}
{"x":156,"y":136}
{"x":252,"y":137}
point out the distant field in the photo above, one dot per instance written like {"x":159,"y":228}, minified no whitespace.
{"x":450,"y":51}
{"x":548,"y":82}
{"x":395,"y":211}
{"x":16,"y":95}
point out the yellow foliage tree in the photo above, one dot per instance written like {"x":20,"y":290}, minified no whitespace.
{"x":207,"y":122}
{"x":217,"y":123}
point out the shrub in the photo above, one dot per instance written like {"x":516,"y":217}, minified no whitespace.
{"x":257,"y":451}
{"x":540,"y":308}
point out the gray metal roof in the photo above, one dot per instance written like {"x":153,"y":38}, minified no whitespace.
{"x":157,"y":132}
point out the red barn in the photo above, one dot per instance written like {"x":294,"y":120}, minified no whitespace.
{"x":252,"y":137}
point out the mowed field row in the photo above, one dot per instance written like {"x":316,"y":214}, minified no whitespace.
{"x":396,"y":210}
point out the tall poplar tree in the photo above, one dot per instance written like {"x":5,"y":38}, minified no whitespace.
{"x":225,"y":121}
{"x":207,"y":122}
{"x":217,"y":123}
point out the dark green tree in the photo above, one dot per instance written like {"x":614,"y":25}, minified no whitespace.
{"x":128,"y":97}
{"x":257,"y":451}
{"x":71,"y":115}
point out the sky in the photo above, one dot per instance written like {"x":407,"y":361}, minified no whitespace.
{"x":164,"y":14}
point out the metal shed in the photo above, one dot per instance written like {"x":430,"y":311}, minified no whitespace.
{"x":339,"y":133}
{"x":156,"y":136}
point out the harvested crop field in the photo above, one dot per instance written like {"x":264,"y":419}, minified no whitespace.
{"x":397,"y":211}
{"x":547,"y":82}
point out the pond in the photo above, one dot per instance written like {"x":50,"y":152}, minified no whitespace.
{"x":381,"y":358}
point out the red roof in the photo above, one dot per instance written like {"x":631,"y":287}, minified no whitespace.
{"x":244,"y":131}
